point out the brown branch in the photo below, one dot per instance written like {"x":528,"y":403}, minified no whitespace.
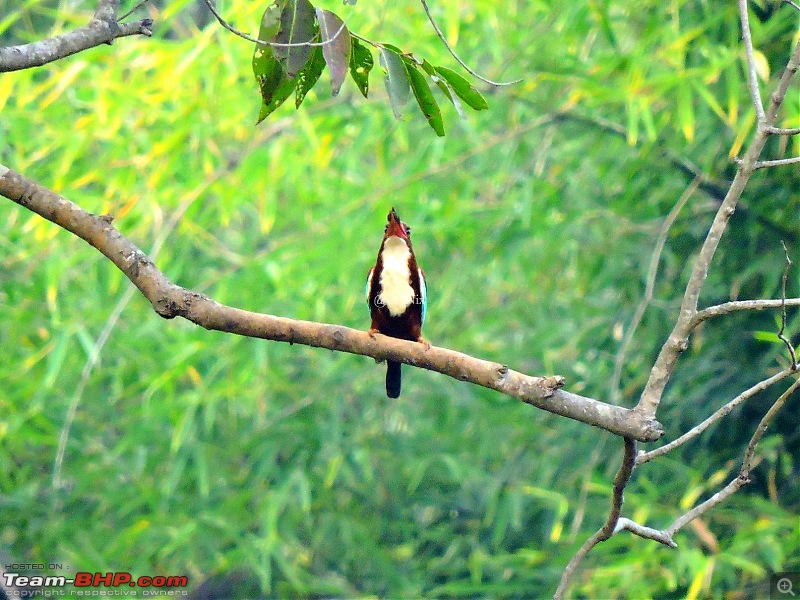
{"x":170,"y":300}
{"x":610,"y":526}
{"x":103,"y":28}
{"x":678,"y":339}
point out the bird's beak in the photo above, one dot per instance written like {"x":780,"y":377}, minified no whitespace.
{"x":395,"y":226}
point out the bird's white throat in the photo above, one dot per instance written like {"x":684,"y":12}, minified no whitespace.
{"x":396,"y":291}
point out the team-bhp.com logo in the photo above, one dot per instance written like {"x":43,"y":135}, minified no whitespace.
{"x":151,"y":586}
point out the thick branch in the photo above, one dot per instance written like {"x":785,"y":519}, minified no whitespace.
{"x":102,"y":29}
{"x":678,"y":339}
{"x":170,"y":300}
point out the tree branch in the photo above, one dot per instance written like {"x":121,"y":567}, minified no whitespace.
{"x":778,"y":162}
{"x":752,"y":74}
{"x":720,"y":310}
{"x":748,"y":463}
{"x":719,"y":414}
{"x":610,"y":526}
{"x":678,"y":339}
{"x":170,"y":300}
{"x":103,"y":28}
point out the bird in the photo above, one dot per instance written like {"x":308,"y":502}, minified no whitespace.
{"x":397,"y":294}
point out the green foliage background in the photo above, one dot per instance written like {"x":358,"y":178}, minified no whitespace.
{"x":193,"y":452}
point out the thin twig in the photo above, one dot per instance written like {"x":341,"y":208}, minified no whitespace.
{"x":716,"y":416}
{"x":648,"y":290}
{"x":780,"y":162}
{"x":748,"y":463}
{"x":453,"y":52}
{"x":249,"y":38}
{"x":781,"y":335}
{"x":752,"y":75}
{"x":727,"y":308}
{"x":133,"y":10}
{"x":610,"y":526}
{"x":783,"y":131}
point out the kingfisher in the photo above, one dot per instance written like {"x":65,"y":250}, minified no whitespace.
{"x":397,"y":294}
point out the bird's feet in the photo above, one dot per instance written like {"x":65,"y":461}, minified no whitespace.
{"x":372,"y":331}
{"x":424,"y":342}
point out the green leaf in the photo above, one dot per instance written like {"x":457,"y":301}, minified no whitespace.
{"x":309,"y":75}
{"x":275,"y":87}
{"x":396,"y":78}
{"x":465,"y":90}
{"x":336,"y":50}
{"x":298,"y":25}
{"x":361,"y":64}
{"x":441,"y":83}
{"x":427,"y":103}
{"x":270,"y":75}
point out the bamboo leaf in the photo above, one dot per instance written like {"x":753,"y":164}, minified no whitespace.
{"x":298,"y":25}
{"x":427,"y":103}
{"x":396,"y":79}
{"x":361,"y":64}
{"x":336,"y":37}
{"x":465,"y":90}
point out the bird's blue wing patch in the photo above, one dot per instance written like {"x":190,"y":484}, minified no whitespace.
{"x":423,"y":290}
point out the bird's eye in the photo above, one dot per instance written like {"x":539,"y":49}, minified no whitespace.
{"x":385,"y":229}
{"x":408,"y":230}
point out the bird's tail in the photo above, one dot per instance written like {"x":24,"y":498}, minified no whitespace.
{"x":393,"y":379}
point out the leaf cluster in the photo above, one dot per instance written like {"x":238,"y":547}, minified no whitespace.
{"x":301,"y":41}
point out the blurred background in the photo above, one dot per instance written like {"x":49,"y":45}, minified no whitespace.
{"x":133,"y":443}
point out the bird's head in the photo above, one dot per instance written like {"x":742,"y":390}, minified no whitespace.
{"x":395,"y":227}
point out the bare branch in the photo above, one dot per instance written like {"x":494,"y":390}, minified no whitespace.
{"x":453,"y":52}
{"x":170,"y":300}
{"x":748,"y":463}
{"x":619,"y":361}
{"x":678,"y":339}
{"x":133,"y":10}
{"x":103,"y":28}
{"x":249,"y":38}
{"x":781,"y":335}
{"x":780,"y":162}
{"x":727,"y":308}
{"x":719,"y":414}
{"x":752,"y":75}
{"x":645,"y":532}
{"x":610,"y":526}
{"x":783,"y":131}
